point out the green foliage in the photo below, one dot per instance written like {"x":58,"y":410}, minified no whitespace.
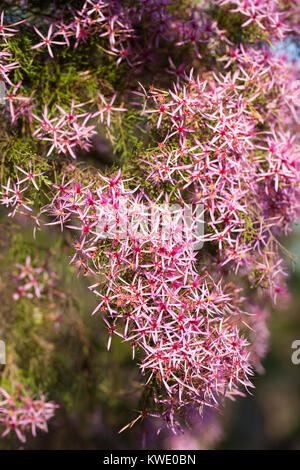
{"x":131,"y":136}
{"x":66,"y":358}
{"x":232,"y":23}
{"x":70,"y":75}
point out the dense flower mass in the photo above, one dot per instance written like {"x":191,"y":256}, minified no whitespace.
{"x":222,"y":152}
{"x":21,"y":412}
{"x":152,"y":295}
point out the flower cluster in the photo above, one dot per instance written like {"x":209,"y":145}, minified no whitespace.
{"x":34,"y":281}
{"x":112,"y":21}
{"x":236,"y":172}
{"x":223,"y":154}
{"x":71,"y":129}
{"x":65,"y":131}
{"x":269,"y":15}
{"x":6,"y":63}
{"x":14,"y":193}
{"x":21,"y":412}
{"x":152,"y":296}
{"x":118,"y":23}
{"x":16,"y":103}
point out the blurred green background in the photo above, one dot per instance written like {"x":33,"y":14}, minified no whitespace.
{"x":270,"y":419}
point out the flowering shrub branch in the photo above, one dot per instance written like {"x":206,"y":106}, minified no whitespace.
{"x":214,"y":125}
